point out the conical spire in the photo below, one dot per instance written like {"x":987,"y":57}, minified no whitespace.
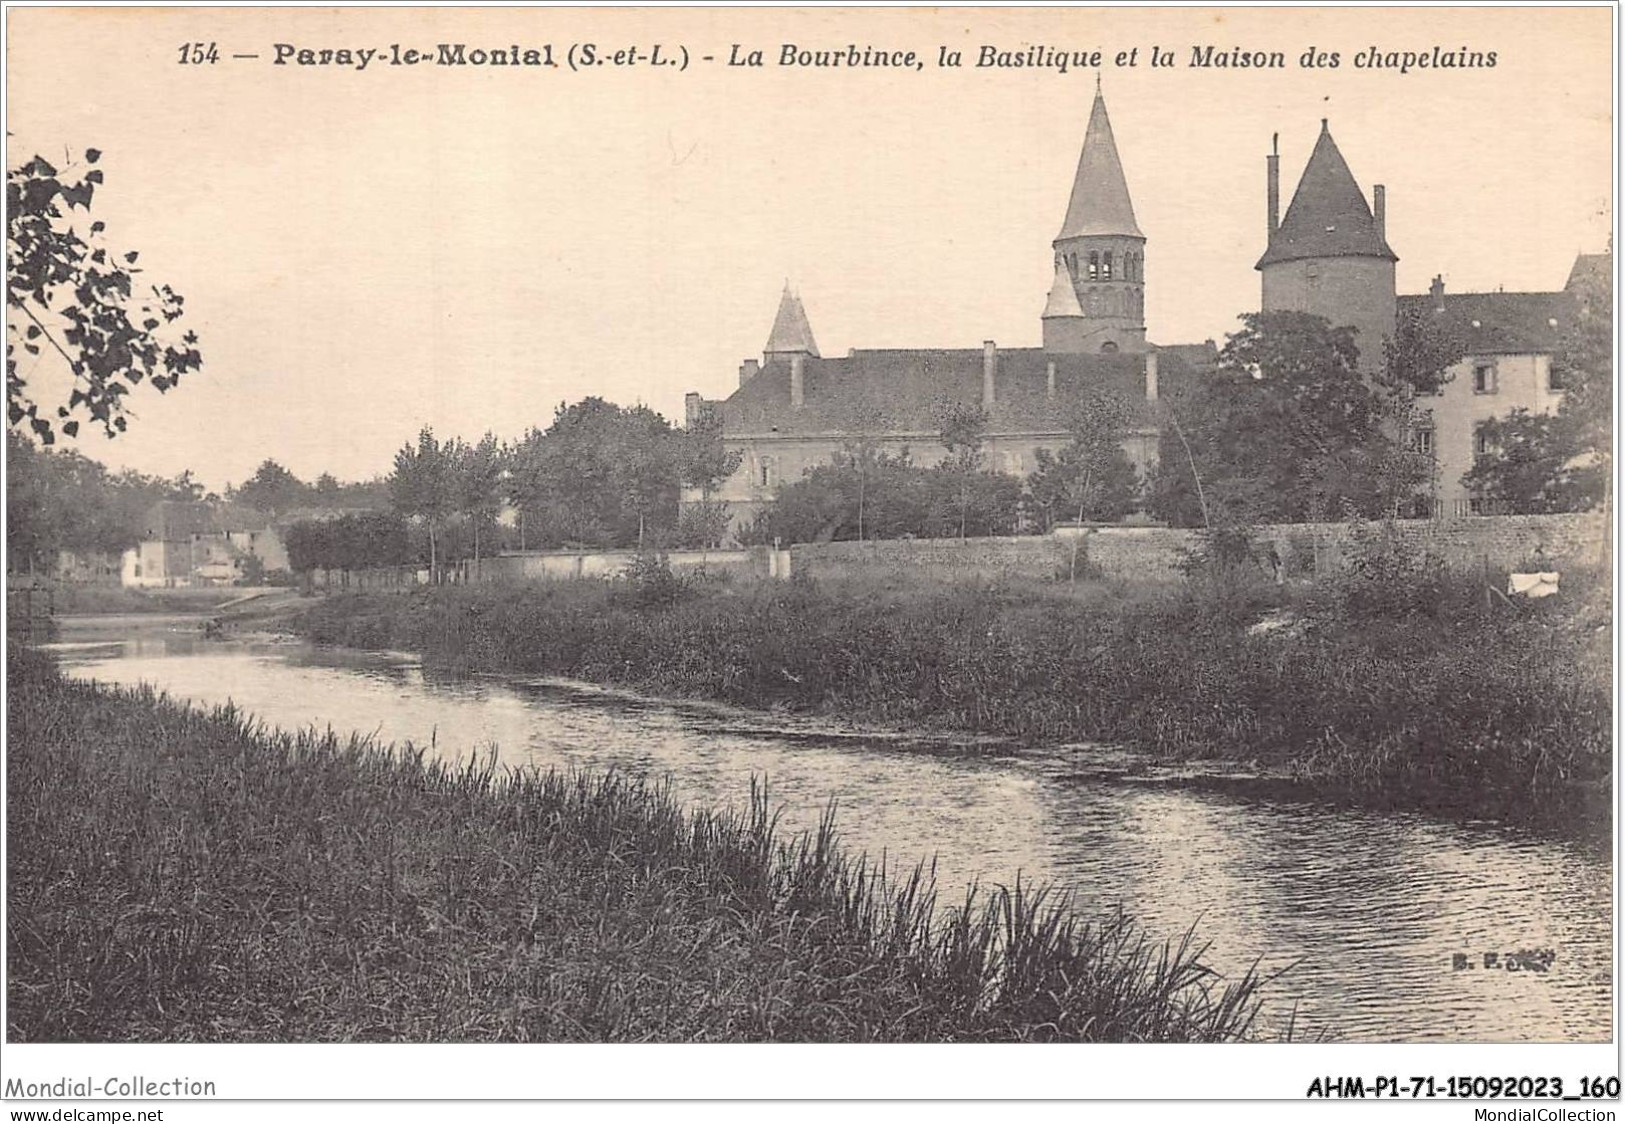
{"x":1063,"y":298}
{"x":791,"y":332}
{"x":1328,"y":217}
{"x":1100,"y":202}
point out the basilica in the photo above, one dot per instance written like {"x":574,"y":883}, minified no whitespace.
{"x":1328,"y":255}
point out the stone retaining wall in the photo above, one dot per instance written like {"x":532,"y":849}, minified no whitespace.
{"x":1497,"y":542}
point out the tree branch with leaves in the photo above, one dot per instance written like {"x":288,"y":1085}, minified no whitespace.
{"x":72,"y":299}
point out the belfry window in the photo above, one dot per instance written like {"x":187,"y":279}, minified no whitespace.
{"x":1106,"y":268}
{"x":1094,"y":267}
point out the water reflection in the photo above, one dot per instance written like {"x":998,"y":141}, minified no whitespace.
{"x":1370,"y":908}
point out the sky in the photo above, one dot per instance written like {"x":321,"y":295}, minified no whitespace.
{"x":365,"y":252}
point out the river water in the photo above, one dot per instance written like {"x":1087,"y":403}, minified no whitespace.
{"x":1373,"y":911}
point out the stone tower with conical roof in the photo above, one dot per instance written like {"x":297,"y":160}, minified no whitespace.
{"x":1097,"y":303}
{"x":791,"y":334}
{"x":1329,"y":256}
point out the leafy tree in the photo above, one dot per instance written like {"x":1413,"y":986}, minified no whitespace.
{"x":60,"y":500}
{"x":648,"y":469}
{"x":701,"y":525}
{"x":1421,"y":353}
{"x":964,"y":430}
{"x":31,"y":531}
{"x":1287,"y":430}
{"x":1090,"y":477}
{"x":704,"y":462}
{"x":704,"y":459}
{"x":273,"y":489}
{"x":1584,"y":368}
{"x":479,"y":484}
{"x":865,"y":491}
{"x":599,"y":475}
{"x":356,"y":541}
{"x":185,"y":488}
{"x":72,"y":295}
{"x":970,"y":503}
{"x":422,"y":484}
{"x":1561,"y":461}
{"x":1530,"y":465}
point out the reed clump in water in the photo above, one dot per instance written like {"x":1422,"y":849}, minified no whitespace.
{"x":1503,"y":711}
{"x":181,"y":875}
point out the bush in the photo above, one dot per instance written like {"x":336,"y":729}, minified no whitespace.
{"x":1383,"y":576}
{"x":650,"y":582}
{"x":1220,"y":549}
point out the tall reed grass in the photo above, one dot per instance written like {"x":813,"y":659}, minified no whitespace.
{"x":181,"y":875}
{"x":1502,"y":712}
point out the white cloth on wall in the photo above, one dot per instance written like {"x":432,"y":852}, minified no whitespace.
{"x":1533,"y":585}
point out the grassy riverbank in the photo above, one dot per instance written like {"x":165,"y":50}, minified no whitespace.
{"x":111,"y":599}
{"x":1487,"y":708}
{"x":176,"y":875}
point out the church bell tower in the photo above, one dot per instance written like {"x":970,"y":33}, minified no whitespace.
{"x":1097,"y":302}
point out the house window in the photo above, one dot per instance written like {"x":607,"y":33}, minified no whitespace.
{"x":1483,"y":378}
{"x":1106,"y":267}
{"x":1482,"y":445}
{"x":1555,"y":379}
{"x":1094,"y":267}
{"x":767,"y":471}
{"x":1422,"y":442}
{"x":1108,"y":348}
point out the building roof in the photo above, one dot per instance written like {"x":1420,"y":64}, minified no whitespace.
{"x":1328,"y":216}
{"x":791,"y":332}
{"x":878,"y":393}
{"x":1063,"y":298}
{"x":1591,"y":269}
{"x":1100,"y":201}
{"x":179,"y":520}
{"x":1498,"y":323}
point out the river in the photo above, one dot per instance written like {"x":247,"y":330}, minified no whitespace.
{"x":1374,"y":911}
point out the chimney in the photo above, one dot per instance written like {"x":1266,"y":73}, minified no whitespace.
{"x":797,"y":362}
{"x":1273,"y":162}
{"x":1049,"y":381}
{"x":692,"y":403}
{"x":990,"y":362}
{"x":747,"y":371}
{"x":1379,"y":210}
{"x":1436,"y":291}
{"x":1151,"y":376}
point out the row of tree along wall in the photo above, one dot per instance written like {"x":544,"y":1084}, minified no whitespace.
{"x":552,"y":565}
{"x":1499,"y":543}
